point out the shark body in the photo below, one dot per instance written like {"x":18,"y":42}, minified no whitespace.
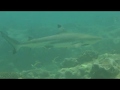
{"x":67,"y":40}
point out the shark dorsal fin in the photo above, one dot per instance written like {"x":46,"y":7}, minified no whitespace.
{"x":59,"y":26}
{"x":61,"y":29}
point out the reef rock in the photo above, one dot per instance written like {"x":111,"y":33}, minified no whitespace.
{"x":79,"y":71}
{"x":69,"y":62}
{"x":10,"y":75}
{"x":106,"y":66}
{"x":36,"y":73}
{"x":87,"y":56}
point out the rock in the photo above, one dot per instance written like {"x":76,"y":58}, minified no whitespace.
{"x":87,"y":56}
{"x":36,"y":73}
{"x":79,"y":71}
{"x":106,"y":66}
{"x":69,"y":62}
{"x":10,"y":75}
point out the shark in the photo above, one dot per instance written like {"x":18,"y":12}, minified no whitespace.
{"x":61,"y":40}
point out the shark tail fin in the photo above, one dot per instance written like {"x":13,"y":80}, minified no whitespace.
{"x":16,"y":45}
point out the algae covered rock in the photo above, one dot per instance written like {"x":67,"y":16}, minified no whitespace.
{"x":10,"y":75}
{"x":79,"y":71}
{"x":37,"y":73}
{"x":87,"y":56}
{"x":106,"y":66}
{"x":69,"y":62}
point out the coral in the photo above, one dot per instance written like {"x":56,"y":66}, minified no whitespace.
{"x":69,"y":62}
{"x":79,"y":71}
{"x":10,"y":75}
{"x":87,"y":56}
{"x":36,"y":73}
{"x":106,"y":66}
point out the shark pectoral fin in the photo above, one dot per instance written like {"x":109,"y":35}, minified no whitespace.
{"x":80,"y":44}
{"x":49,"y":46}
{"x":77,"y":45}
{"x":85,"y":44}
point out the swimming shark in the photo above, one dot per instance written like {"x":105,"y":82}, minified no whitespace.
{"x":62,"y":40}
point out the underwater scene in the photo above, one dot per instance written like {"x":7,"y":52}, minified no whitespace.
{"x":59,"y":44}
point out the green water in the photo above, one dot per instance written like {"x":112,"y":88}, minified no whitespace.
{"x":25,"y":25}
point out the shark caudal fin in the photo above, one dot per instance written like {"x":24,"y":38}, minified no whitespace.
{"x":14,"y":43}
